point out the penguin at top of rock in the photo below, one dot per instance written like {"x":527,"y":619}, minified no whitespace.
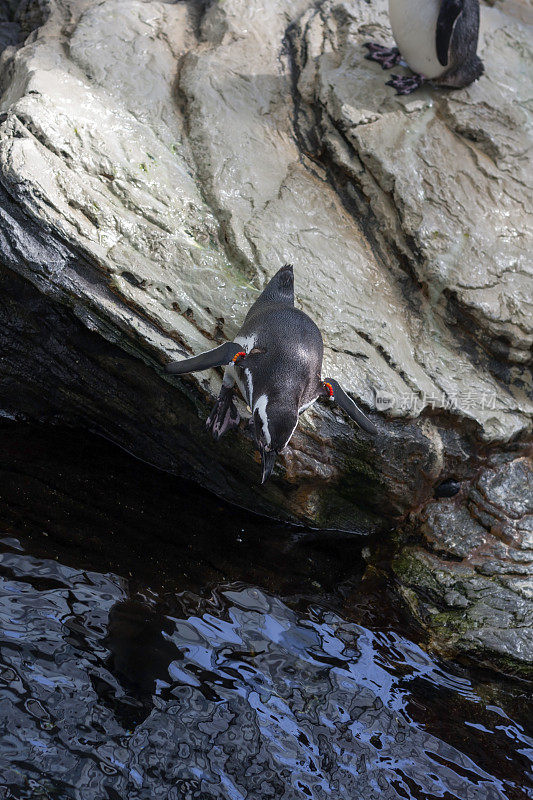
{"x":437,"y":40}
{"x":275,"y":360}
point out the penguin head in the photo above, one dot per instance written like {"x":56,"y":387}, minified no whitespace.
{"x":274,"y":421}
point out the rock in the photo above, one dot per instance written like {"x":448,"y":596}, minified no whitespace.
{"x":471,"y":580}
{"x":158,"y":163}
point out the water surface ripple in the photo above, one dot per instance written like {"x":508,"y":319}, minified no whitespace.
{"x":115,"y":683}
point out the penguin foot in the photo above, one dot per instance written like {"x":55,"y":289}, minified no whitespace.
{"x":388,"y":57}
{"x":406,"y":84}
{"x":224,"y":415}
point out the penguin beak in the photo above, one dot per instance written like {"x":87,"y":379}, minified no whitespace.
{"x":268,"y":457}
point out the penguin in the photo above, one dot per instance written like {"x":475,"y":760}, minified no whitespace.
{"x":437,"y":40}
{"x":275,"y":361}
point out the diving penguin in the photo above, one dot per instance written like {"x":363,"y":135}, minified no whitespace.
{"x":437,"y":39}
{"x":275,"y":360}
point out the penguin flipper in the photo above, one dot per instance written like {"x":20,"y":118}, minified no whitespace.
{"x":218,"y":357}
{"x":336,"y":392}
{"x":448,"y":16}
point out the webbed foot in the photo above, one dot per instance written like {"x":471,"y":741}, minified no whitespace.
{"x":224,"y":415}
{"x":388,"y":57}
{"x":406,"y":84}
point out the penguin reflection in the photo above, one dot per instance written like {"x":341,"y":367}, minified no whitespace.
{"x":140,"y":655}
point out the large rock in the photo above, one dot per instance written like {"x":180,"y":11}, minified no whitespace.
{"x":470,"y":576}
{"x":159,"y":161}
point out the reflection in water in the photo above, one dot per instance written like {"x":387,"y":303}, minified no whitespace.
{"x":139,"y":639}
{"x":234,"y":695}
{"x":117,"y":684}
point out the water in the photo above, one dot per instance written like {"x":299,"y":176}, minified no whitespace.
{"x":155,"y":643}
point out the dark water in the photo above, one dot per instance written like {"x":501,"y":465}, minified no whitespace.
{"x":155,"y":643}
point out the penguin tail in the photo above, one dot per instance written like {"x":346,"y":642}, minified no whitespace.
{"x":285,"y":278}
{"x":478,"y":67}
{"x":280,"y":288}
{"x":464,"y":75}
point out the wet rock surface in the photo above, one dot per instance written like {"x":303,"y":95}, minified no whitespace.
{"x":471,"y":577}
{"x":158,"y":163}
{"x":444,"y":172}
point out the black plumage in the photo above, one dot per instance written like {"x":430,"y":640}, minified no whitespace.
{"x":276,"y":361}
{"x":456,"y":38}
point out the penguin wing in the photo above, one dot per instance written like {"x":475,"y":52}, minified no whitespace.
{"x":218,"y":357}
{"x":337,"y":393}
{"x":448,"y":16}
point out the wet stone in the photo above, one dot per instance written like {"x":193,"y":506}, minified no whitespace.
{"x":480,"y":563}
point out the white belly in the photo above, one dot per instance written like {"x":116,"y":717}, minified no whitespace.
{"x":414,"y":23}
